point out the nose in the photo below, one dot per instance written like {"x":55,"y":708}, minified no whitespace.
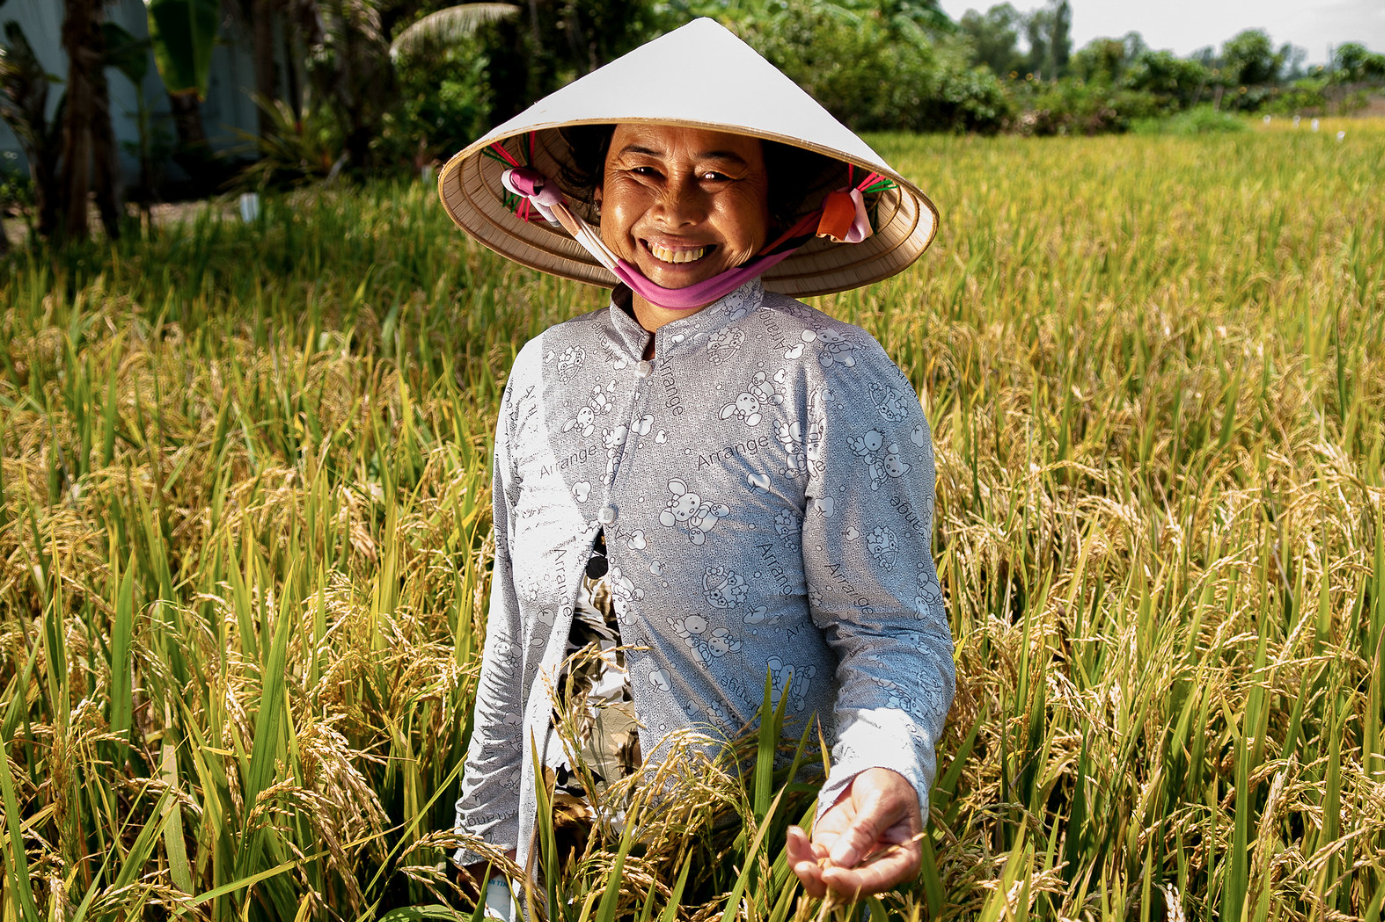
{"x":681,"y":201}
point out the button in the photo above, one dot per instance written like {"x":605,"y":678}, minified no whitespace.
{"x":644,"y":369}
{"x":607,"y":515}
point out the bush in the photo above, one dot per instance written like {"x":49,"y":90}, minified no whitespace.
{"x":444,"y":104}
{"x":16,"y":188}
{"x":1067,"y":107}
{"x":1305,"y":96}
{"x":1198,"y":120}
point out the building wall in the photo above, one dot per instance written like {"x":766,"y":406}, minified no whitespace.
{"x":227,"y":109}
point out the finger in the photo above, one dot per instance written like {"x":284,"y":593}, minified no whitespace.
{"x":876,"y":816}
{"x":893,"y":868}
{"x":810,"y":875}
{"x":798,"y":846}
{"x":803,"y":859}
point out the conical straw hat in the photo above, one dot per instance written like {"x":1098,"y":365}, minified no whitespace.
{"x":699,"y":76}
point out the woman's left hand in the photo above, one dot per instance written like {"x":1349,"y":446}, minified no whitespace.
{"x":866,"y":843}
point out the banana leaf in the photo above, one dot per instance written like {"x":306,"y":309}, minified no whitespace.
{"x":183,"y":33}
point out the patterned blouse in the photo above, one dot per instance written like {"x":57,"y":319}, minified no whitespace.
{"x":765,"y":487}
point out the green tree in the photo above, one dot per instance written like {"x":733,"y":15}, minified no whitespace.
{"x":994,"y":38}
{"x":840,"y":56}
{"x":1102,"y":60}
{"x":1353,"y":62}
{"x":1105,"y":60}
{"x":1049,"y":31}
{"x":553,"y":42}
{"x":1176,"y":83}
{"x":1250,"y":59}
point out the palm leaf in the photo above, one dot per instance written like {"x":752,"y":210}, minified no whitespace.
{"x":448,"y":26}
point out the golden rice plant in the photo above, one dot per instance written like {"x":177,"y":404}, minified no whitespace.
{"x":244,"y":554}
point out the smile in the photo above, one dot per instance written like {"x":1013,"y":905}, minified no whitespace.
{"x":678,"y":255}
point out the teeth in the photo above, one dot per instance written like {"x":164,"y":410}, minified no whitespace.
{"x":664,"y":254}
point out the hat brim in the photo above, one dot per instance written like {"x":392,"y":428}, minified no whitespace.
{"x":470,"y":188}
{"x":740,"y":93}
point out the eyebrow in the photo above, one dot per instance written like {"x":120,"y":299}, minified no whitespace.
{"x":702,"y":155}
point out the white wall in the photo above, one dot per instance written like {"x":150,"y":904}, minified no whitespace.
{"x":228,"y":106}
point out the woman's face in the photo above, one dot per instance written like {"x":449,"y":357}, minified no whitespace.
{"x":683,"y":204}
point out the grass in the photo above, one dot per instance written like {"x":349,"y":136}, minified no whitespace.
{"x":244,"y":551}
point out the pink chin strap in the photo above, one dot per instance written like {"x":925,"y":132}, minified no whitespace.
{"x":851,"y":224}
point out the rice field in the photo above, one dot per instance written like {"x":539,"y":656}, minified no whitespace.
{"x":244,"y":553}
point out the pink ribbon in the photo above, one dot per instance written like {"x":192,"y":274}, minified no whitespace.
{"x":701,"y":293}
{"x":860,"y":228}
{"x":543,"y":194}
{"x":534,"y":186}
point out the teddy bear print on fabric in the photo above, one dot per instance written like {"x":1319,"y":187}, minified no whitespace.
{"x":880,"y":465}
{"x":835,"y":347}
{"x":740,"y":303}
{"x":889,"y":401}
{"x":796,"y":679}
{"x":585,"y":420}
{"x":883,"y":546}
{"x":571,"y":358}
{"x":747,"y":405}
{"x":790,"y":436}
{"x":528,"y":588}
{"x":720,"y":717}
{"x":896,"y":697}
{"x":788,"y":528}
{"x":688,"y":511}
{"x":723,"y":344}
{"x":614,"y":440}
{"x":707,"y":642}
{"x":723,"y":588}
{"x":624,"y":594}
{"x":504,"y":654}
{"x":930,"y":597}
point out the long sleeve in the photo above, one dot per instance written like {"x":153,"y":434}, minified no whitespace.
{"x":489,"y":804}
{"x":872,"y":586}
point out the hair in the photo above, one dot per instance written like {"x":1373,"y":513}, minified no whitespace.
{"x":798,"y":178}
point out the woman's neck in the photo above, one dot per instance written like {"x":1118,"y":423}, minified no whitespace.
{"x":652,"y":316}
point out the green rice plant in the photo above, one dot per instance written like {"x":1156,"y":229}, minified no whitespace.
{"x":245,"y":553}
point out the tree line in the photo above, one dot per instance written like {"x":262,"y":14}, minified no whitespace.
{"x":359,"y":86}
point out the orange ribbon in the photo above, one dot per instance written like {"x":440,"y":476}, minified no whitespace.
{"x":838,"y":213}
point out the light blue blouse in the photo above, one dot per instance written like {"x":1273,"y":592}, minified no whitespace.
{"x":766,"y":488}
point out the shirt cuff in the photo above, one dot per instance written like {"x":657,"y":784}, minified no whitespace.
{"x":877,"y":738}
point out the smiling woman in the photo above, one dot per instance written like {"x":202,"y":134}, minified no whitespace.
{"x":798,"y":178}
{"x":652,"y":587}
{"x":683,"y":205}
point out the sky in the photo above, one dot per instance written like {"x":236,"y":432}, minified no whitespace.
{"x":1187,"y":25}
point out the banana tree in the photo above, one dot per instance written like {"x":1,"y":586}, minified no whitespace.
{"x":24,"y":107}
{"x":183,"y":33}
{"x":24,"y":86}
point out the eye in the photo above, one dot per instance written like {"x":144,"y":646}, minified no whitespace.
{"x":644,"y":171}
{"x":714,"y":176}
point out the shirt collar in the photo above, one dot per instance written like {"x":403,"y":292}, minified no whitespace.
{"x":678,"y":334}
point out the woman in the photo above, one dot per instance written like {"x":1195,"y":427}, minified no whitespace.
{"x":749,"y":480}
